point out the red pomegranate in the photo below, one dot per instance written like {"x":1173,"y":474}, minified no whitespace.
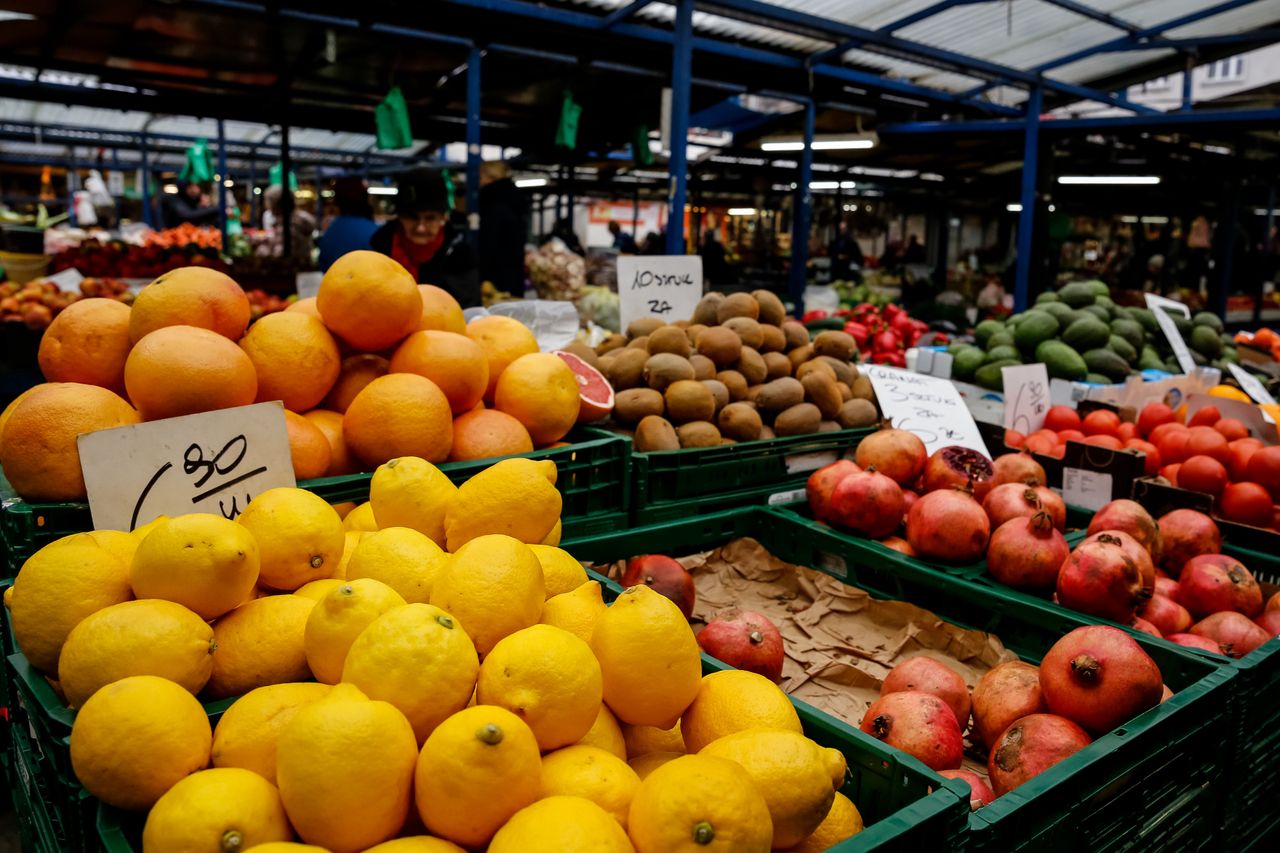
{"x":1195,"y":641}
{"x":1129,"y":517}
{"x":746,"y":640}
{"x":897,"y":543}
{"x":1100,"y":579}
{"x":664,"y":575}
{"x":980,"y":792}
{"x":909,"y":499}
{"x":1027,"y":553}
{"x":1133,"y":549}
{"x":1167,"y":615}
{"x":1269,"y":622}
{"x":823,"y":482}
{"x":1185,"y":533}
{"x":1031,"y":746}
{"x":1213,"y":582}
{"x":959,"y":467}
{"x":919,"y":724}
{"x":1099,"y":677}
{"x":1005,"y":693}
{"x":896,"y":453}
{"x":1018,"y":468}
{"x":1146,"y":627}
{"x":1010,"y":500}
{"x":867,"y":502}
{"x":929,"y":676}
{"x":1236,"y":633}
{"x":948,"y":525}
{"x":1166,"y":586}
{"x":1273,"y":603}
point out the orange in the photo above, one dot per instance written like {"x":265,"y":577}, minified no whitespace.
{"x":340,"y":459}
{"x":308,"y":446}
{"x":295,"y":357}
{"x":180,"y":370}
{"x":38,"y":447}
{"x":454,"y":362}
{"x":190,"y":296}
{"x":369,"y":300}
{"x":357,"y":372}
{"x":400,"y":414}
{"x":503,"y":341}
{"x":88,"y":342}
{"x":440,"y":310}
{"x":488,"y":432}
{"x":305,"y":306}
{"x":541,"y":392}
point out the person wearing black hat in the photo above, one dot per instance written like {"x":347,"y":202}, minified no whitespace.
{"x":423,"y":241}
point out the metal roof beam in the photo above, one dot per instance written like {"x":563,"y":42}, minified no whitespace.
{"x":1256,"y":37}
{"x":914,"y":18}
{"x":627,"y":11}
{"x":1095,"y":15}
{"x":1261,"y":118}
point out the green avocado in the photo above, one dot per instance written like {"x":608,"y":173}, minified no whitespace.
{"x":1205,"y":341}
{"x":1078,"y":294}
{"x":967,"y":360}
{"x":1213,"y":321}
{"x":1107,"y":363}
{"x":1061,"y":360}
{"x":1149,"y":359}
{"x":986,"y":329}
{"x":1099,"y":288}
{"x":1087,"y":333}
{"x":1123,"y":348}
{"x":989,"y":375}
{"x":1097,"y":379}
{"x":1046,"y":297}
{"x":1003,"y":353}
{"x":1059,"y":310}
{"x":1002,"y":338}
{"x":1130,"y":330}
{"x":1037,"y":326}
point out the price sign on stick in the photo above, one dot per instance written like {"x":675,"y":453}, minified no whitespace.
{"x":929,"y":407}
{"x":664,"y":286}
{"x":1251,"y":384}
{"x":1026,"y":397}
{"x":1160,"y":307}
{"x":213,"y":462}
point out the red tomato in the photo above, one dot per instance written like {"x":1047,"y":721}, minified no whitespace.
{"x":1059,"y":451}
{"x":1208,"y":416}
{"x":1104,"y":441}
{"x":1172,"y":445}
{"x":1061,"y":417}
{"x":1203,"y":474}
{"x":1151,"y":463}
{"x":1165,"y":429}
{"x":1231,"y":429}
{"x":1242,"y":450}
{"x":1127,"y":431}
{"x":1264,"y":469}
{"x":1275,"y":518}
{"x":1070,"y":435}
{"x":1013,"y":438}
{"x":1170,"y":472}
{"x":1207,"y":441}
{"x":1152,"y":415}
{"x":1247,"y":503}
{"x":1041,"y":442}
{"x":1101,"y":422}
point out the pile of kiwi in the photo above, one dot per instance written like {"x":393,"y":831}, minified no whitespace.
{"x":739,"y":370}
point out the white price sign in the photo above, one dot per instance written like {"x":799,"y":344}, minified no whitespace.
{"x":1088,"y":489}
{"x":929,"y":407}
{"x":213,"y":462}
{"x":1159,"y":306}
{"x":307,"y":284}
{"x":1026,"y":397}
{"x":1251,"y":384}
{"x":664,"y":286}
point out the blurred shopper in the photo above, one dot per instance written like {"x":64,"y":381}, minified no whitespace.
{"x":191,"y":204}
{"x":424,"y":242}
{"x":622,"y":241}
{"x":504,"y":225}
{"x":845,"y":253}
{"x":914,"y":253}
{"x":302,"y":223}
{"x":715,"y":268}
{"x":563,"y":230}
{"x":353,"y":227}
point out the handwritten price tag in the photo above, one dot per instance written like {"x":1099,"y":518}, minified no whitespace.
{"x":929,"y":407}
{"x":1251,"y":385}
{"x":1026,"y":397}
{"x":213,"y":462}
{"x":664,"y":286}
{"x":1088,"y":489}
{"x":1160,"y":307}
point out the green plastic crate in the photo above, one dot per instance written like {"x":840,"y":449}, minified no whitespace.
{"x":50,"y":819}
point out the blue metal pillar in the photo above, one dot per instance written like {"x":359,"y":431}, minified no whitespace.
{"x":473,"y":145}
{"x":1026,"y":219}
{"x":803,"y":204}
{"x":286,"y":192}
{"x":677,"y":163}
{"x":1186,"y":88}
{"x":222,"y":182}
{"x":147,"y":214}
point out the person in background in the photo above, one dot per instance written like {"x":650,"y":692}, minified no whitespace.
{"x":715,"y":269}
{"x":563,"y":229}
{"x":353,"y":227}
{"x":189,"y":205}
{"x":914,"y":253}
{"x":504,"y":225}
{"x":423,"y":241}
{"x":622,"y":241}
{"x":845,"y":253}
{"x":654,"y":244}
{"x":301,"y":221}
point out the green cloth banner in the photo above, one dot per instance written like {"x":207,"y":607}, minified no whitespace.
{"x":641,"y":154}
{"x":199,"y":165}
{"x":273,"y":177}
{"x":570,"y":113}
{"x":392,"y":120}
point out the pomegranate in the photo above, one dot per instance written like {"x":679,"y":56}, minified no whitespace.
{"x":1053,"y":504}
{"x":1269,"y":622}
{"x":959,"y":467}
{"x":746,"y":640}
{"x":896,"y":453}
{"x":980,"y":792}
{"x":823,"y":482}
{"x":1140,"y":556}
{"x":1146,"y":627}
{"x":664,"y":575}
{"x":1027,"y":553}
{"x":897,"y":543}
{"x":929,"y":676}
{"x":1185,"y":533}
{"x":1236,"y":633}
{"x":1129,"y":517}
{"x":1017,"y":468}
{"x":1213,"y":582}
{"x":909,"y":499}
{"x":1100,"y":579}
{"x":1273,"y":603}
{"x":1167,"y":615}
{"x":867,"y":502}
{"x":948,"y":525}
{"x":919,"y":724}
{"x":1005,"y":693}
{"x":1195,"y":641}
{"x":1031,"y":746}
{"x":1166,"y":586}
{"x":1010,"y":500}
{"x":1099,"y":677}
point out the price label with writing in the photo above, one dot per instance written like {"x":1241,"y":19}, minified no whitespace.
{"x":664,"y":286}
{"x":213,"y":462}
{"x":1088,"y":489}
{"x":929,"y":407}
{"x":1251,"y":384}
{"x":1026,"y":397}
{"x":1160,"y":307}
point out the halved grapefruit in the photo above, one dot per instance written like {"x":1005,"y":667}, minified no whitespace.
{"x":595,"y":394}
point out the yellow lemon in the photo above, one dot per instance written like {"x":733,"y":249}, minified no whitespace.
{"x":560,"y":571}
{"x":299,"y":536}
{"x":360,"y":519}
{"x":558,"y":824}
{"x":416,"y":844}
{"x":285,"y":847}
{"x":699,"y":804}
{"x":261,"y":642}
{"x":345,"y":769}
{"x":58,"y":586}
{"x":494,"y":586}
{"x":317,"y":590}
{"x":842,"y":822}
{"x":204,"y":562}
{"x":418,"y":658}
{"x":140,"y":532}
{"x":547,"y":677}
{"x":351,"y":539}
{"x":733,"y":701}
{"x":641,"y":740}
{"x":553,"y":538}
{"x":148,"y":637}
{"x":606,"y":734}
{"x":476,"y":770}
{"x":586,"y":771}
{"x":338,"y":618}
{"x":649,"y":658}
{"x":411,"y":492}
{"x":221,"y":809}
{"x":651,"y":761}
{"x":515,"y":497}
{"x":137,"y":737}
{"x":247,"y":732}
{"x":791,"y":772}
{"x":119,"y":543}
{"x":576,"y":611}
{"x":401,"y":558}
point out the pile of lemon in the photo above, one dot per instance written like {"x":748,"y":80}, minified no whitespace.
{"x":430,"y":674}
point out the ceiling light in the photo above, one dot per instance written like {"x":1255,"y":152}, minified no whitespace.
{"x":171,"y":189}
{"x":847,"y":185}
{"x":824,"y":185}
{"x":1131,"y":220}
{"x":1013,"y":208}
{"x":228,"y":183}
{"x":383,"y":191}
{"x":1155,"y":220}
{"x":742,"y":211}
{"x":531,"y":182}
{"x":1217,"y":149}
{"x":782,"y":146}
{"x":1110,"y":180}
{"x":843,"y":144}
{"x":931,"y":176}
{"x":1052,"y":208}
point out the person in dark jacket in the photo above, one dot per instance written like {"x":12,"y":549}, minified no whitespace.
{"x":353,"y":227}
{"x":187,"y":206}
{"x":424,"y":242}
{"x":504,"y":225}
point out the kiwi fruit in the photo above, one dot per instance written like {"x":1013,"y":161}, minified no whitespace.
{"x":584,"y":352}
{"x":780,"y":394}
{"x":643,"y":326}
{"x":718,"y":391}
{"x":739,"y":421}
{"x":846,"y":393}
{"x":777,"y":364}
{"x":845,"y":372}
{"x":814,"y":366}
{"x":655,"y":433}
{"x":681,"y":324}
{"x":724,"y":441}
{"x":698,"y":434}
{"x":689,"y":400}
{"x":751,"y":365}
{"x":753,"y":393}
{"x":748,"y":331}
{"x":828,"y":426}
{"x":800,"y":419}
{"x":664,"y":368}
{"x":800,"y":355}
{"x":720,"y":344}
{"x":613,"y":342}
{"x":862,"y":389}
{"x":626,"y":368}
{"x":823,"y":393}
{"x":669,"y":339}
{"x":735,"y":382}
{"x":641,"y":342}
{"x":705,"y":312}
{"x":771,"y":308}
{"x":737,"y":305}
{"x":857,"y":413}
{"x":635,"y":404}
{"x":795,"y":333}
{"x":839,"y":345}
{"x":772,"y":339}
{"x":766,"y":433}
{"x":692,"y":331}
{"x":703,"y":367}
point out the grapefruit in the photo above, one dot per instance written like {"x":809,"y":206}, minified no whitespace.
{"x":595,"y":394}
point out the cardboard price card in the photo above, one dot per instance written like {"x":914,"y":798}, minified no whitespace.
{"x":1026,"y":397}
{"x":1160,"y":307}
{"x":1251,"y":384}
{"x":664,"y":286}
{"x":926,"y":406}
{"x":213,"y":462}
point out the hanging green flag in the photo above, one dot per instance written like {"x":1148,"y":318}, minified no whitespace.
{"x":641,"y":154}
{"x":392,"y":120}
{"x":273,"y":177}
{"x":448,"y":188}
{"x":199,"y":165}
{"x":570,"y":113}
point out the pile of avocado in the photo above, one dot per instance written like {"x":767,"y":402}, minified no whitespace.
{"x":1081,"y":335}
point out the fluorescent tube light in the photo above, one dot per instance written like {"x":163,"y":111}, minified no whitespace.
{"x":383,"y":191}
{"x":1110,"y":180}
{"x":824,"y":185}
{"x":1013,"y":208}
{"x":531,"y":182}
{"x":742,"y":211}
{"x":782,"y":146}
{"x":843,"y":144}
